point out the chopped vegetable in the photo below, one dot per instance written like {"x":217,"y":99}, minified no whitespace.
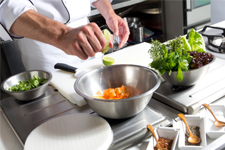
{"x":28,"y":84}
{"x":113,"y":93}
{"x":176,"y":55}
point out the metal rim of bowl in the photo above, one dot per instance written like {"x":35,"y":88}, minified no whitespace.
{"x":2,"y":85}
{"x":119,"y":100}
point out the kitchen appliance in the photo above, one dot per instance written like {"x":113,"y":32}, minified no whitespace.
{"x":181,"y":16}
{"x":197,"y":13}
{"x":210,"y":88}
{"x":189,"y":99}
{"x":215,"y":41}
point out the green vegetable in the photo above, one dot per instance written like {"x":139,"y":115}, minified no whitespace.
{"x":196,"y":41}
{"x":28,"y":84}
{"x":174,"y":55}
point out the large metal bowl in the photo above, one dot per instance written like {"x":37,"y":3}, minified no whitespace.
{"x":30,"y":94}
{"x":140,"y":80}
{"x":189,"y":78}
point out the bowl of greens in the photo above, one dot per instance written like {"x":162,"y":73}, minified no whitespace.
{"x":27,"y":85}
{"x":181,"y":61}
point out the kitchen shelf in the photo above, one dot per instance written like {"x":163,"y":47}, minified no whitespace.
{"x":117,"y":4}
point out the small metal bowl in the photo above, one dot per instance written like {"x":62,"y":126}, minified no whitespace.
{"x":189,"y":78}
{"x":141,"y":81}
{"x":30,"y":94}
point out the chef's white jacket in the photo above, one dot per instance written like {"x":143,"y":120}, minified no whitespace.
{"x":38,"y":55}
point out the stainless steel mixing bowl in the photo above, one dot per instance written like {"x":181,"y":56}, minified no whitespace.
{"x":141,"y":81}
{"x":189,"y":78}
{"x":30,"y":94}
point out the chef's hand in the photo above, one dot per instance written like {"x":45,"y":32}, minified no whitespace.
{"x":116,"y":23}
{"x":119,"y":27}
{"x":84,"y":41}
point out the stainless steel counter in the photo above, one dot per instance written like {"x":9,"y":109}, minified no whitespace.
{"x":23,"y":117}
{"x":134,"y":137}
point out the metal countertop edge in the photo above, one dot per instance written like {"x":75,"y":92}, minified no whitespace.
{"x":138,"y":137}
{"x":11,"y":127}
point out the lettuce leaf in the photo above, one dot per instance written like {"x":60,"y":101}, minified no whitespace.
{"x":196,"y":41}
{"x":186,"y":45}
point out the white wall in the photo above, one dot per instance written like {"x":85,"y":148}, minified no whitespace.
{"x":217,"y":11}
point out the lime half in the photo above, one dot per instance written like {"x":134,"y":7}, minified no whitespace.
{"x":107,"y":61}
{"x":107,"y":35}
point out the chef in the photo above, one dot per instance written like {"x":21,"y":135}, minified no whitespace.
{"x":58,"y":31}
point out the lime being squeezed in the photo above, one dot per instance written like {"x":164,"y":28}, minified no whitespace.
{"x":107,"y":60}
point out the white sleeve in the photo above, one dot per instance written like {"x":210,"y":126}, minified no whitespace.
{"x":10,"y":10}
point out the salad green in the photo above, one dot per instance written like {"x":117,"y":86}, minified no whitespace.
{"x":174,"y":55}
{"x":28,"y":84}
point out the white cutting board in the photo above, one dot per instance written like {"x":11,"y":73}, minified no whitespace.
{"x":64,"y":81}
{"x":77,"y":131}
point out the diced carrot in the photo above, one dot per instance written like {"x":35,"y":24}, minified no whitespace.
{"x":123,"y":88}
{"x":113,"y":93}
{"x":106,"y":93}
{"x":127,"y":95}
{"x":99,"y":93}
{"x":118,"y":91}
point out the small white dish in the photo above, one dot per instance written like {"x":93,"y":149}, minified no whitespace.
{"x":165,"y":132}
{"x":192,"y":120}
{"x":211,"y":130}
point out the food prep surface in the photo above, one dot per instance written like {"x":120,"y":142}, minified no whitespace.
{"x":130,"y":133}
{"x":27,"y":116}
{"x":124,"y":130}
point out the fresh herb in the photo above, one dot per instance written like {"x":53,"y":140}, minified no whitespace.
{"x":28,"y":84}
{"x":174,"y":55}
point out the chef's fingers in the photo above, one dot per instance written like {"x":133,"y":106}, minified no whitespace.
{"x":115,"y":28}
{"x":88,"y":41}
{"x":123,"y":34}
{"x":79,"y":52}
{"x":96,"y":38}
{"x":86,"y":47}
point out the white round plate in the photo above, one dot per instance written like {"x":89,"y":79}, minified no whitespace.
{"x":78,"y":131}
